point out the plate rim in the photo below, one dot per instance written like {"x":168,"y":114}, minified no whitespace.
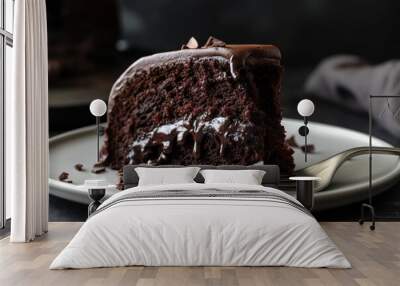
{"x":75,"y":193}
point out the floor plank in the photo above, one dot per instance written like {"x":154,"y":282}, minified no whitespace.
{"x":375,"y":257}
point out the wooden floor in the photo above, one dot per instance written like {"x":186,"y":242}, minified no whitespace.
{"x":375,"y":257}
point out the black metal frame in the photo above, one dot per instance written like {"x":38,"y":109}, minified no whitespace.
{"x":306,"y":130}
{"x":369,"y":204}
{"x":6,"y":39}
{"x":98,"y":137}
{"x":305,"y":193}
{"x":303,"y":131}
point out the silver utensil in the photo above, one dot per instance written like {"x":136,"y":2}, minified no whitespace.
{"x":327,"y":168}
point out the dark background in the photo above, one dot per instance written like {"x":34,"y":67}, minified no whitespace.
{"x":91,"y":43}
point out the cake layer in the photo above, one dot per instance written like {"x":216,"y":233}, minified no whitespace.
{"x":238,"y":56}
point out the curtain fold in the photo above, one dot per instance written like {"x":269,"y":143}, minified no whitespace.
{"x":27,"y":124}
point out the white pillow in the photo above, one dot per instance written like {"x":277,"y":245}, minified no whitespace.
{"x":248,"y":177}
{"x":165,"y":176}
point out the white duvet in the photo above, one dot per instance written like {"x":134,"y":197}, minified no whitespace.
{"x":200,"y":231}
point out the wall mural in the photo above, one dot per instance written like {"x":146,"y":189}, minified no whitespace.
{"x":228,"y":99}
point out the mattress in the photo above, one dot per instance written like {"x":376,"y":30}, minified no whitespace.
{"x":201,"y":225}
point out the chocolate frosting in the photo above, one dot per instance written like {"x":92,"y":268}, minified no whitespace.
{"x":223,"y":128}
{"x":237,"y":55}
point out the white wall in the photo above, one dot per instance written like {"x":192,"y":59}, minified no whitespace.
{"x":9,"y":13}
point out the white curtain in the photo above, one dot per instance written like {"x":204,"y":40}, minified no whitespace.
{"x":27,"y":124}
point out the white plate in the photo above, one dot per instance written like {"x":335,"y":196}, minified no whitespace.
{"x":79,"y":146}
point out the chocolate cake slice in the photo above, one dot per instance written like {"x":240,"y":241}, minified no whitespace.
{"x":216,"y":104}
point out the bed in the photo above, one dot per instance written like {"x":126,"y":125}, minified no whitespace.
{"x":199,"y":224}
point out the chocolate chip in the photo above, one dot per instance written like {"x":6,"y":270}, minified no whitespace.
{"x":63,"y":176}
{"x":79,"y":167}
{"x":192,"y":43}
{"x":291,"y":141}
{"x":98,"y":164}
{"x":310,"y":148}
{"x":98,"y":170}
{"x":214,"y":42}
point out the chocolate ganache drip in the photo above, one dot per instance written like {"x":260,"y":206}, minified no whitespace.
{"x":188,"y":133}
